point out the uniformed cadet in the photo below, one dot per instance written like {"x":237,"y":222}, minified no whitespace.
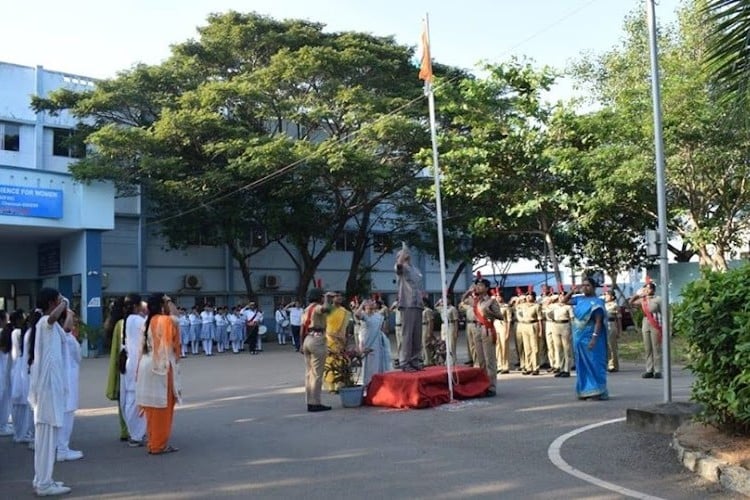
{"x":503,"y":330}
{"x":516,"y":333}
{"x":451,"y":328}
{"x":313,"y":342}
{"x":397,"y":331}
{"x":467,"y":307}
{"x":550,"y":358}
{"x":561,"y":336}
{"x":614,"y":329}
{"x":428,"y":339}
{"x":530,"y":324}
{"x":486,"y":310}
{"x":651,"y":328}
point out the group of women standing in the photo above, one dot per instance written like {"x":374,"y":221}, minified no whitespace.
{"x":144,"y":369}
{"x":39,"y":364}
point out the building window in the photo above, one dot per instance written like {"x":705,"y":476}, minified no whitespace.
{"x":65,"y":144}
{"x":382,"y":243}
{"x":346,"y":242}
{"x":10,"y":137}
{"x":258,"y":238}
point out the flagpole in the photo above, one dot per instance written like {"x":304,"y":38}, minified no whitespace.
{"x":439,"y":209}
{"x":661,"y":199}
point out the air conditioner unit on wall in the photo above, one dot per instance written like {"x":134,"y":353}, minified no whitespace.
{"x":192,"y":281}
{"x":271,"y":281}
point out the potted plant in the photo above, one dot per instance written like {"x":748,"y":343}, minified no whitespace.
{"x":89,"y":337}
{"x":344,"y":368}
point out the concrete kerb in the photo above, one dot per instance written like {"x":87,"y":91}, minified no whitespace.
{"x":730,"y":477}
{"x":664,"y":418}
{"x":667,"y":418}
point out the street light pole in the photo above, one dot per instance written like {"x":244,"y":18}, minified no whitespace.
{"x":661,"y":200}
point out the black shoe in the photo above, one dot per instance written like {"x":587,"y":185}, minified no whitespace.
{"x":564,"y":374}
{"x":612,"y":370}
{"x":535,"y":372}
{"x":469,"y":363}
{"x":526,"y":372}
{"x":657,"y":375}
{"x":558,"y":374}
{"x":490,"y":393}
{"x":648,"y":375}
{"x":318,"y":408}
{"x":505,"y":372}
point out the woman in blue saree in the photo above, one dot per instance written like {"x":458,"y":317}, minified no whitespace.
{"x":589,"y":342}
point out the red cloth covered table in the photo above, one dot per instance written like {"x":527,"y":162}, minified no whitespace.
{"x":425,"y":388}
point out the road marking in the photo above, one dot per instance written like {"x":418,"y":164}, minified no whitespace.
{"x":553,"y":452}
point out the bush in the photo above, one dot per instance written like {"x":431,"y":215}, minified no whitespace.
{"x":714,"y":318}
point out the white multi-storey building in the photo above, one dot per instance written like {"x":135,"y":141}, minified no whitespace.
{"x":90,"y":245}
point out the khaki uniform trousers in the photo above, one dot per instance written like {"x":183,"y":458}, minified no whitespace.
{"x":516,"y":334}
{"x":484,"y":351}
{"x":551,"y":355}
{"x":399,"y":331}
{"x":613,"y":360}
{"x":315,"y":350}
{"x":530,"y":335}
{"x":452,"y":330}
{"x":471,"y":331}
{"x":502,"y":351}
{"x":562,"y":346}
{"x":652,"y":346}
{"x":428,"y":348}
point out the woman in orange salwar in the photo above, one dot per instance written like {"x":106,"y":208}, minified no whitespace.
{"x":158,"y":382}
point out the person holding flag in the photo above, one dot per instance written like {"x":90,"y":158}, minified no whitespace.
{"x":651,"y":327}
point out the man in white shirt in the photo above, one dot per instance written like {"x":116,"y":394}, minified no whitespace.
{"x":295,"y":322}
{"x":253,"y":319}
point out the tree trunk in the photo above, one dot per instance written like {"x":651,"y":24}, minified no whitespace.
{"x":244,"y":262}
{"x":360,"y":247}
{"x":719,"y":262}
{"x":459,"y":271}
{"x":553,"y":257}
{"x":683,"y":254}
{"x":704,"y":257}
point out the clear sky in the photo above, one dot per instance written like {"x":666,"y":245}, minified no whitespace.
{"x":97,"y":38}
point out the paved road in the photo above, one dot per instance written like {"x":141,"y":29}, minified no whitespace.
{"x":243,"y":432}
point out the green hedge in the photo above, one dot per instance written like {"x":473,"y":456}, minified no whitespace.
{"x":714,"y":318}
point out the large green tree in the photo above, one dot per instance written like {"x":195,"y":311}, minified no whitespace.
{"x":494,"y":131}
{"x":260,"y":131}
{"x":706,"y":147}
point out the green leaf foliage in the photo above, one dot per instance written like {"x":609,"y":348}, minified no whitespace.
{"x":714,"y":317}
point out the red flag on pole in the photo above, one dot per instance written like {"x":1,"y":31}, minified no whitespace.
{"x":425,"y":68}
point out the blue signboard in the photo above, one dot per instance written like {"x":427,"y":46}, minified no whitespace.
{"x":31,"y":202}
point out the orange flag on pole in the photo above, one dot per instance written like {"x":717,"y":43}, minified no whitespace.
{"x":425,"y":69}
